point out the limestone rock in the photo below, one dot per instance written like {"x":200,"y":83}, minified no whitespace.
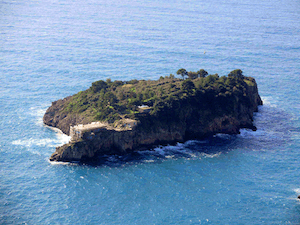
{"x":196,"y":118}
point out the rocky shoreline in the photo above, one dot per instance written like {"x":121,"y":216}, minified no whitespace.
{"x":192,"y":117}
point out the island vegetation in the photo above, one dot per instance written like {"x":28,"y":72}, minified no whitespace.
{"x":122,"y":116}
{"x":112,"y":100}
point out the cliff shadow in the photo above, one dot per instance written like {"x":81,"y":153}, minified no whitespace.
{"x":209,"y":147}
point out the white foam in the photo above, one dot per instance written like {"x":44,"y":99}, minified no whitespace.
{"x":160,"y":150}
{"x":30,"y":143}
{"x":250,"y":133}
{"x":38,"y":113}
{"x":211,"y":155}
{"x":192,"y":155}
{"x":297,"y":190}
{"x":171,"y":152}
{"x":43,"y":142}
{"x":61,"y":137}
{"x":149,"y":161}
{"x":33,"y":142}
{"x":60,"y":163}
{"x":269,"y":101}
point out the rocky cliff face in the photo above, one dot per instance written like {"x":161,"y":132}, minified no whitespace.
{"x":193,"y":117}
{"x":56,"y":117}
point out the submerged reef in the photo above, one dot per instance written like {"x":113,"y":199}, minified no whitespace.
{"x":118,"y":117}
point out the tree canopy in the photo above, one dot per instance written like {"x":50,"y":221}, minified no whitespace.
{"x":236,"y":74}
{"x":182,"y":72}
{"x":187,"y":85}
{"x":112,"y":100}
{"x":99,"y":85}
{"x":202,"y":73}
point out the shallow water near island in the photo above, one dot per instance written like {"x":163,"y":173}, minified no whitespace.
{"x":53,"y":49}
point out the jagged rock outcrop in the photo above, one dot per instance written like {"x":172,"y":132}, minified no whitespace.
{"x":194,"y":116}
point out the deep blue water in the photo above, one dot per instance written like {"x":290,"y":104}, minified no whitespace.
{"x":51,"y":49}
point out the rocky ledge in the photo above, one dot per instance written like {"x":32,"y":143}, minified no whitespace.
{"x":121,"y":117}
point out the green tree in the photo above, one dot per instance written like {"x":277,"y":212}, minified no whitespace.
{"x":202,"y":73}
{"x":187,"y":85}
{"x":110,"y":98}
{"x":182,"y":72}
{"x":192,"y":75}
{"x":236,"y":74}
{"x":116,"y":83}
{"x":99,"y":85}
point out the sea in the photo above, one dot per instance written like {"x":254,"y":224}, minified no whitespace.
{"x":51,"y":49}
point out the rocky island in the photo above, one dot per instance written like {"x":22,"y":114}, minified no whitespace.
{"x":117,"y":117}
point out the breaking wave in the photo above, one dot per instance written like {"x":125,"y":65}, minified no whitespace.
{"x":189,"y":149}
{"x":269,"y":101}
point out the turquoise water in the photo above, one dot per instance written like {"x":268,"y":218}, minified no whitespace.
{"x":51,"y":49}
